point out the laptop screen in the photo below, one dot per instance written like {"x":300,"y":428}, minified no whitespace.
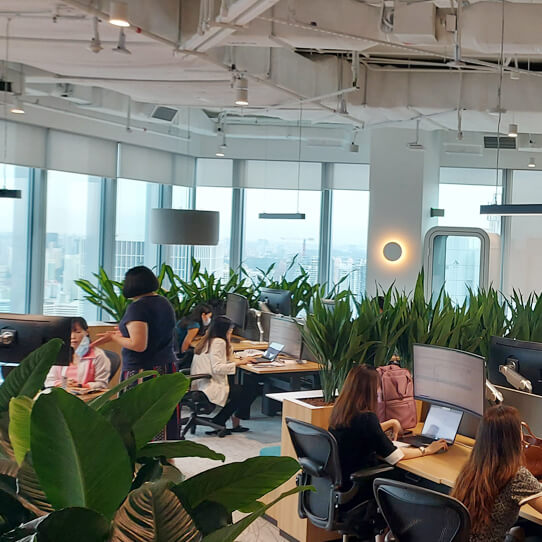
{"x":273,"y":350}
{"x":442,"y":423}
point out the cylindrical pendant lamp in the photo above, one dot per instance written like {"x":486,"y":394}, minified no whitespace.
{"x":184,"y":227}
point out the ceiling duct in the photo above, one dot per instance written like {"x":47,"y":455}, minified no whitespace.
{"x":504,"y":142}
{"x":164,"y":113}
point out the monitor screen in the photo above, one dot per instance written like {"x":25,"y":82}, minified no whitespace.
{"x":236,"y":309}
{"x":277,"y":301}
{"x":30,"y":331}
{"x":526,"y":356}
{"x":442,"y":423}
{"x":450,"y":378}
{"x":285,"y":331}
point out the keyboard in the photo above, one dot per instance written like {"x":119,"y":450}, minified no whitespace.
{"x":417,"y":440}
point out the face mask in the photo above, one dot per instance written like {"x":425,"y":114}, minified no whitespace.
{"x":205,"y":321}
{"x":82,"y":349}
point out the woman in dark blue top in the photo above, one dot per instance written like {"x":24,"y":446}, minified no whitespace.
{"x":192,"y":325}
{"x":145,"y":332}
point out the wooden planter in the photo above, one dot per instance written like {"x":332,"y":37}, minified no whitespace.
{"x":285,"y":512}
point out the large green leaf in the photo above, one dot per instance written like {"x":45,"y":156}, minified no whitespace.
{"x":20,"y":409}
{"x":231,"y":532}
{"x":12,"y":512}
{"x":73,"y":524}
{"x":29,"y":490}
{"x":148,"y":406}
{"x":178,"y":448}
{"x":79,"y":457}
{"x":153,"y":514}
{"x":237,"y":485}
{"x":103,"y":399}
{"x":28,"y":377}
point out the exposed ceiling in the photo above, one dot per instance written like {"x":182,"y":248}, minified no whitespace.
{"x":347,"y":63}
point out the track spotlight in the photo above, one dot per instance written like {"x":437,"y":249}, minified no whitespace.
{"x":221,"y":151}
{"x":240,"y":84}
{"x":17,"y":108}
{"x":532,"y":163}
{"x":512,"y":130}
{"x":118,"y":13}
{"x":95,"y":43}
{"x":121,"y":45}
{"x":342,"y":108}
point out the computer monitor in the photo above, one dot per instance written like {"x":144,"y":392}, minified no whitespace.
{"x":21,"y":334}
{"x":449,"y":377}
{"x":286,"y":332}
{"x":236,"y":309}
{"x":277,"y":301}
{"x":525,"y":356}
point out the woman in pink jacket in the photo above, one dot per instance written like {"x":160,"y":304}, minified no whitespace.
{"x":89,"y":367}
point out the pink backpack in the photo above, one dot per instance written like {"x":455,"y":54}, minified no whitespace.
{"x":397,"y":397}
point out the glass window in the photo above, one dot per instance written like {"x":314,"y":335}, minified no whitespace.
{"x":13,"y":240}
{"x":72,"y":241}
{"x":178,"y":256}
{"x":269,"y":241}
{"x":216,"y":259}
{"x":349,"y":225}
{"x":523,"y":251}
{"x":132,"y":245}
{"x":462,"y":191}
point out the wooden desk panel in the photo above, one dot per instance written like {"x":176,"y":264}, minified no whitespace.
{"x":308,"y":367}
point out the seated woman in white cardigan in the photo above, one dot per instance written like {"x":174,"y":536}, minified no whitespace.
{"x":214,"y":356}
{"x":89,"y":367}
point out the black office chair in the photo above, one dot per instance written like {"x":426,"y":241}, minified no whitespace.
{"x":416,"y":514}
{"x":330,"y":507}
{"x":200,"y":406}
{"x":114,"y":360}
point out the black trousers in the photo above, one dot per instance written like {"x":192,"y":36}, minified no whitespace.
{"x":239,"y":402}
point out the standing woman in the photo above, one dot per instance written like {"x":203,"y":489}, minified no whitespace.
{"x":145,"y":332}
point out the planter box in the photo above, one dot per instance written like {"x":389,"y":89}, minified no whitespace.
{"x":285,"y":512}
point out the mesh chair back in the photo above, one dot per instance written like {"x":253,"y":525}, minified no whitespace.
{"x":317,"y":451}
{"x":114,"y":360}
{"x":414,"y":514}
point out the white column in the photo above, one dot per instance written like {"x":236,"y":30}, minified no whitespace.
{"x":404,"y":187}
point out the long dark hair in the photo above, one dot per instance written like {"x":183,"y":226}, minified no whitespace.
{"x":217,"y":330}
{"x":359,"y":394}
{"x":495,"y":459}
{"x":195,"y":316}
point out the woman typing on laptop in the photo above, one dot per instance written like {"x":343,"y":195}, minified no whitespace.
{"x":360,"y":435}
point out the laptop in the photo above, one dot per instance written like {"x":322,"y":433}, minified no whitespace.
{"x":441,"y":423}
{"x":273,"y":350}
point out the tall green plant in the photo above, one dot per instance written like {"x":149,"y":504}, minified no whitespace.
{"x":337,"y":341}
{"x":106,"y":294}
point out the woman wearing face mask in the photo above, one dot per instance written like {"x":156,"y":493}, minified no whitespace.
{"x":89,"y":367}
{"x":193,"y":325}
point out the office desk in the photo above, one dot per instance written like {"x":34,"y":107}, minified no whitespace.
{"x":87,"y":397}
{"x":444,"y":469}
{"x":291,"y":373}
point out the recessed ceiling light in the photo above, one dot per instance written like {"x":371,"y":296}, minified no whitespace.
{"x":17,"y":107}
{"x":118,"y":13}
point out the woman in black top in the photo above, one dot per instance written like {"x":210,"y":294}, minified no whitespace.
{"x":360,"y":435}
{"x":145,"y":332}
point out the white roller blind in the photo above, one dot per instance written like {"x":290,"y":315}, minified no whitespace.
{"x":214,"y":172}
{"x":142,"y":164}
{"x":81,"y":154}
{"x":283,"y":175}
{"x":25,"y":145}
{"x":350,"y":177}
{"x":184,"y":169}
{"x":456,"y":175}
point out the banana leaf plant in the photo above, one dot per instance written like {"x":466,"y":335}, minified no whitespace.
{"x":79,"y":471}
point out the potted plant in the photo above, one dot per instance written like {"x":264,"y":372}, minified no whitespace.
{"x":87,"y":472}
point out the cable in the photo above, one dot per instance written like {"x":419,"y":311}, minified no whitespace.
{"x":499,"y":97}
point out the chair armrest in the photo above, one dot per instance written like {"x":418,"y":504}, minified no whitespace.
{"x":199,"y":377}
{"x":365,"y":474}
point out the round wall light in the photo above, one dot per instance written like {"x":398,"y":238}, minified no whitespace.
{"x":392,"y":251}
